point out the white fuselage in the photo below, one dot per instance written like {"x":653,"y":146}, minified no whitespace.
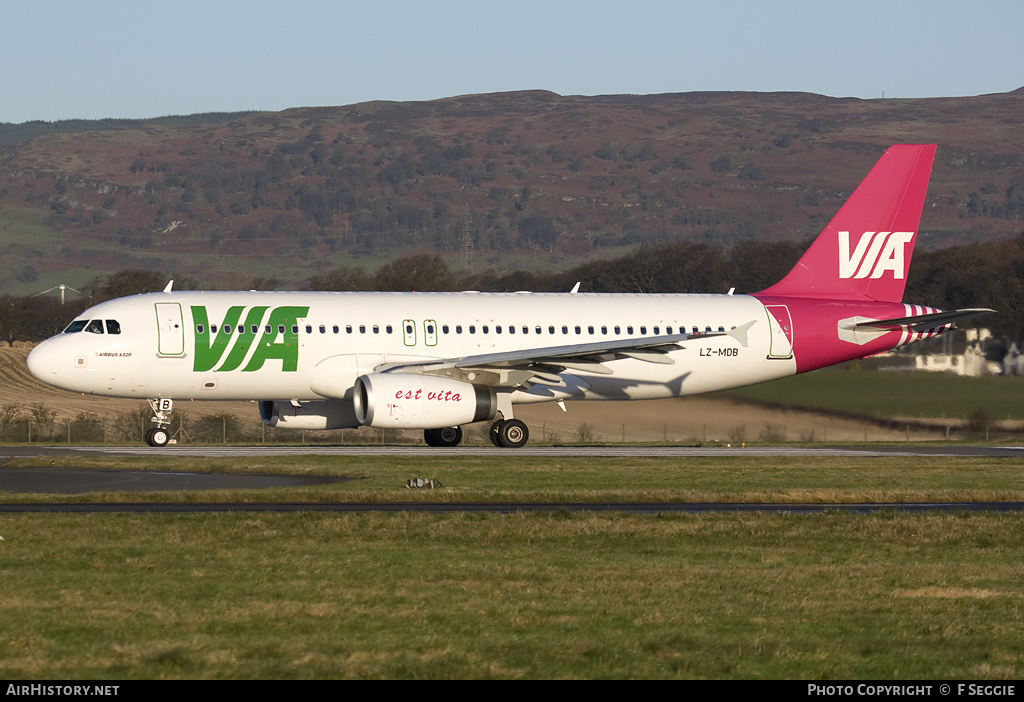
{"x":306,"y":346}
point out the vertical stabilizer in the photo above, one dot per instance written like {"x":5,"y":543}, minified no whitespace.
{"x":864,"y":252}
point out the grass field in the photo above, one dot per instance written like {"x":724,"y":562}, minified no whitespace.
{"x":313,"y":595}
{"x":891,"y":394}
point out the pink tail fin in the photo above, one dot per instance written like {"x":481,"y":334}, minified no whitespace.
{"x":864,"y":252}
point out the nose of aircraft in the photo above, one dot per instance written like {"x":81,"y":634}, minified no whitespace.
{"x":42,"y":363}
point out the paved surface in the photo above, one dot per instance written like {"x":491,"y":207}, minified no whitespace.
{"x":549,"y":451}
{"x":75,"y":481}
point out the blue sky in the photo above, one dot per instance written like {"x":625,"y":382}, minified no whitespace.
{"x":137,"y":58}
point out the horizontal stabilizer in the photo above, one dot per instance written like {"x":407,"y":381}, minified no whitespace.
{"x":922,"y":322}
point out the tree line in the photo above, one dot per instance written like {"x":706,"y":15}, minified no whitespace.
{"x":975,"y":275}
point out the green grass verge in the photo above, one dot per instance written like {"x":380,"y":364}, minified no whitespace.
{"x":411,"y":595}
{"x":524,"y":596}
{"x":893,"y":394}
{"x":551,"y":479}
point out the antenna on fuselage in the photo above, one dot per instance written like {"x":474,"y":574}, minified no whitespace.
{"x":170,"y":284}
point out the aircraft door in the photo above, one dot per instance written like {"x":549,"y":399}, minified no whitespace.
{"x":781,"y":325}
{"x":170,"y":329}
{"x":430,"y":332}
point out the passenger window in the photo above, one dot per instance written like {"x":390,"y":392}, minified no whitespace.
{"x":668,"y":330}
{"x":444,"y":329}
{"x":617,"y":330}
{"x":484,"y":329}
{"x":376,"y":329}
{"x":323,"y":329}
{"x":388,"y":329}
{"x":335,"y":328}
{"x":309,"y":329}
{"x":199,"y":329}
{"x":643,"y":331}
{"x":362,"y":328}
{"x":458,"y":328}
{"x":629,"y":330}
{"x":498,"y":329}
{"x":551,"y":330}
{"x":578,"y":330}
{"x":565,"y":329}
{"x":657,"y":330}
{"x":472,"y":329}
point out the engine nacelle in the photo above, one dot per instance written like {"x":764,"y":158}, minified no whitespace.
{"x":320,"y":414}
{"x":408,"y":401}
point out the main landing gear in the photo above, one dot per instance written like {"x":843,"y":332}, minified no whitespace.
{"x":509,"y":433}
{"x":160,"y":434}
{"x":446,"y":437}
{"x":504,"y":433}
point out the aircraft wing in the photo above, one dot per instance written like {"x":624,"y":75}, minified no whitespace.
{"x":924,"y":322}
{"x":543,"y":365}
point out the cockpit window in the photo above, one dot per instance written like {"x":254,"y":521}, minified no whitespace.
{"x":76,"y":326}
{"x":113,"y":326}
{"x":95,"y":326}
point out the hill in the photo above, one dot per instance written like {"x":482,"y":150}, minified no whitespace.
{"x":509,"y":180}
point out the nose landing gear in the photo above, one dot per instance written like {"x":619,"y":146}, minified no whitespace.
{"x":160,"y":434}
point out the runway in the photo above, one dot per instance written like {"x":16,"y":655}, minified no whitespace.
{"x":421,"y":451}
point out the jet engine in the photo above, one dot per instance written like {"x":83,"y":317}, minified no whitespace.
{"x":320,"y":414}
{"x":408,"y":401}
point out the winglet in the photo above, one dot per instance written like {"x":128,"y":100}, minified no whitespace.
{"x":169,"y":285}
{"x":575,"y":288}
{"x":740,"y":333}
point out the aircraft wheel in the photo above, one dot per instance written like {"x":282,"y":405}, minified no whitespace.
{"x":449,"y":436}
{"x":157,"y":436}
{"x":495,"y":431}
{"x":512,"y":434}
{"x":430,"y":437}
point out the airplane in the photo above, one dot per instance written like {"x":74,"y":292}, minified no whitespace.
{"x":440,"y":361}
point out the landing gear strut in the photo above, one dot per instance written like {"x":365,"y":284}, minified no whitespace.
{"x":160,"y":434}
{"x":444,"y":437}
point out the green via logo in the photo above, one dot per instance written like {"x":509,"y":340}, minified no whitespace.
{"x":231,"y":344}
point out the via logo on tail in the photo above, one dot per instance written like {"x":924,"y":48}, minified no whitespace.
{"x":869,"y":258}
